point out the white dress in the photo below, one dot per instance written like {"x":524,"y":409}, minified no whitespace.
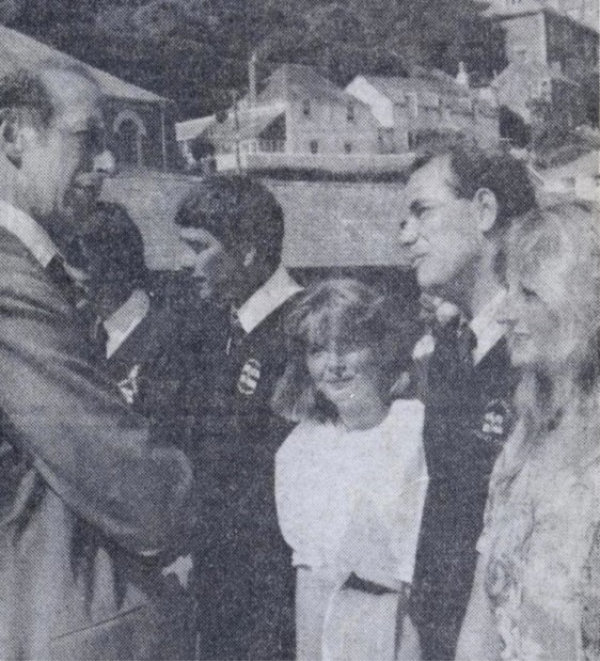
{"x":351,"y":502}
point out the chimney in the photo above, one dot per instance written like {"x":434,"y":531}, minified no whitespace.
{"x":462,"y":77}
{"x":252,"y":80}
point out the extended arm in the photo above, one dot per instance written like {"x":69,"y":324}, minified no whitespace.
{"x":72,"y":424}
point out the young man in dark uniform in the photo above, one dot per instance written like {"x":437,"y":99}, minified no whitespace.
{"x":460,"y":204}
{"x":133,"y":340}
{"x":231,"y":232}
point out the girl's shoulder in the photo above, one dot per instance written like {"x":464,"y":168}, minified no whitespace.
{"x":307,"y":433}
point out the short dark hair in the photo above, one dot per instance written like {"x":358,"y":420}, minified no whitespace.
{"x":236,"y":209}
{"x":474,"y":168}
{"x":114,"y":243}
{"x":24,"y":89}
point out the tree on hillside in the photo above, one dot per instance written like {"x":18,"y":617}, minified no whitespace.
{"x":196,"y":51}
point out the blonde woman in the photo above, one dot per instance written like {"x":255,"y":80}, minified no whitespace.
{"x":351,"y":477}
{"x":537,"y":585}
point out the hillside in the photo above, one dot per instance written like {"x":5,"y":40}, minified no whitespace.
{"x":196,"y":51}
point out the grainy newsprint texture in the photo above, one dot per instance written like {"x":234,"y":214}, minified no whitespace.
{"x":299,"y":330}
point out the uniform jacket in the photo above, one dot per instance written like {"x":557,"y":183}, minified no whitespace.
{"x":465,"y":428}
{"x":145,"y":368}
{"x":244,"y":575}
{"x":73,"y":457}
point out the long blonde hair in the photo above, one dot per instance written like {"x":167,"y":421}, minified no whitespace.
{"x":568,"y":234}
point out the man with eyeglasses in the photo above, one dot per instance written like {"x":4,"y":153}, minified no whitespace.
{"x":81,"y":480}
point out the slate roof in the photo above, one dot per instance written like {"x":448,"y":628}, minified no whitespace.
{"x":298,"y":82}
{"x":20,"y":50}
{"x":396,"y":87}
{"x":192,"y":128}
{"x":249,"y":123}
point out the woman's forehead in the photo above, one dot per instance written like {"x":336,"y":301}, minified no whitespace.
{"x":333,"y":327}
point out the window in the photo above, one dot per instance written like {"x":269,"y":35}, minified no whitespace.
{"x":306,"y":107}
{"x":350,"y":111}
{"x":314,"y":146}
{"x":348,"y":147}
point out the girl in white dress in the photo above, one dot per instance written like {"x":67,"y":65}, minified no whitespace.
{"x":351,"y":477}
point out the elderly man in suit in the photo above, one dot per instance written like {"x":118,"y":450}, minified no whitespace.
{"x":80,"y":477}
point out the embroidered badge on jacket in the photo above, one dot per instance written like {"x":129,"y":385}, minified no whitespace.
{"x":129,"y":387}
{"x":496,"y":422}
{"x":249,"y":377}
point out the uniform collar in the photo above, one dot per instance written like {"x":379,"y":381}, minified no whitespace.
{"x":125,"y":320}
{"x":486,"y":327}
{"x":29,"y":232}
{"x":265,"y":300}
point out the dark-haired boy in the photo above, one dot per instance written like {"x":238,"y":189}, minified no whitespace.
{"x":231,"y":233}
{"x":459,"y":204}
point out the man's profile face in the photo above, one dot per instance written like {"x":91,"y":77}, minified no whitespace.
{"x":56,"y":173}
{"x":439,"y":228}
{"x":214,"y":268}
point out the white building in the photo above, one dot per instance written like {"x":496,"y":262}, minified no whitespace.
{"x":409,"y":109}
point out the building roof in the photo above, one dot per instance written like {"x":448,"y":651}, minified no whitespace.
{"x":193,"y":128}
{"x":300,"y":81}
{"x":425,"y":83}
{"x":431,"y":88}
{"x":20,"y":50}
{"x":249,"y":122}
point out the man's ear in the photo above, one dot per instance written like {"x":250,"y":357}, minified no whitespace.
{"x":486,"y":206}
{"x":11,"y":139}
{"x":249,"y":256}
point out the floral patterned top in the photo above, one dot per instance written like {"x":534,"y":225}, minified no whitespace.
{"x":542,"y":543}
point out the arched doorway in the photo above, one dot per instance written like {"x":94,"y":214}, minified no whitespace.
{"x":130,"y":133}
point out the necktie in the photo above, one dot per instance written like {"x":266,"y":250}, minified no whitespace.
{"x":451,"y":366}
{"x":57,"y":272}
{"x":99,"y":340}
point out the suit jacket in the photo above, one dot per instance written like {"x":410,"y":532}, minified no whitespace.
{"x":244,"y":579}
{"x":465,"y":428}
{"x":73,"y":455}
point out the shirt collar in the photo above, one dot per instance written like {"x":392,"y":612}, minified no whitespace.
{"x":486,"y":327}
{"x":29,"y":232}
{"x":123,"y":321}
{"x":274,"y":293}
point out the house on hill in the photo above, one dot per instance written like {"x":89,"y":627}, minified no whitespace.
{"x":298,"y":112}
{"x":556,"y":33}
{"x":409,"y":109}
{"x":140,"y":124}
{"x":522,"y":85}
